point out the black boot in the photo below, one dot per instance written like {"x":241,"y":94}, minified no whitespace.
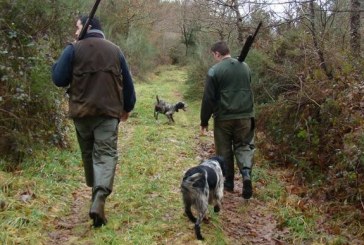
{"x":229,"y":184}
{"x":247,"y":184}
{"x":97,"y":213}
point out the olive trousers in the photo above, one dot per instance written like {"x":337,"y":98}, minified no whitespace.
{"x":235,"y":138}
{"x":97,"y":138}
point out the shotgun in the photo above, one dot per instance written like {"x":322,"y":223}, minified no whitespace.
{"x":91,"y":15}
{"x":248,"y":43}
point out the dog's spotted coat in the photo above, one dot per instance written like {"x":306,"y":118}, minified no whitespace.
{"x":203,"y":185}
{"x":167,"y":109}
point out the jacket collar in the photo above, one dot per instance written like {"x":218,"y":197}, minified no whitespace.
{"x":95,"y":33}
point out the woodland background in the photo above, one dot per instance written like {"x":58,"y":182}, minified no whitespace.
{"x":307,"y":64}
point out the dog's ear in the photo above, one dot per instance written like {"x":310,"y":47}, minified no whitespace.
{"x":180,"y":105}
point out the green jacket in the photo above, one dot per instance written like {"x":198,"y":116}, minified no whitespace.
{"x":228,"y":94}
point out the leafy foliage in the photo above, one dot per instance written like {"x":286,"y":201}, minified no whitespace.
{"x":315,"y":123}
{"x":137,"y":45}
{"x":197,"y":73}
{"x":30,"y":108}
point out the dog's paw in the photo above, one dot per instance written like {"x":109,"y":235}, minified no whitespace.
{"x":206,"y":220}
{"x":198,"y":232}
{"x":216,"y":209}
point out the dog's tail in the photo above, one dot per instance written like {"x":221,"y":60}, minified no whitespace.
{"x":157,"y":98}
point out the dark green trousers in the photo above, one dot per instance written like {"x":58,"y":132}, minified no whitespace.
{"x":97,"y":137}
{"x":235,"y":138}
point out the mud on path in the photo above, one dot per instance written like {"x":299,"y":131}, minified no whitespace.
{"x":245,"y":221}
{"x":248,"y":221}
{"x":77,"y":223}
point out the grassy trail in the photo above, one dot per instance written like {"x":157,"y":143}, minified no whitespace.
{"x":155,"y":155}
{"x":47,"y":202}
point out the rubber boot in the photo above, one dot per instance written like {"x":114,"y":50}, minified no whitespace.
{"x":247,"y":191}
{"x":229,"y":184}
{"x":229,"y":177}
{"x":89,"y":173}
{"x":97,"y":213}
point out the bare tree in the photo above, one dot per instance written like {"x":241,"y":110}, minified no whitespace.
{"x":123,"y":15}
{"x":355,"y":27}
{"x":189,"y":23}
{"x":315,"y":38}
{"x":237,"y":13}
{"x":239,"y":18}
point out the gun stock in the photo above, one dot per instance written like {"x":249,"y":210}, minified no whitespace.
{"x":86,"y":25}
{"x":248,"y":43}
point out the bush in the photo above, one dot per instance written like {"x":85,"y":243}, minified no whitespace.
{"x":319,"y":129}
{"x":198,"y":66}
{"x":31,"y":110}
{"x":140,"y":54}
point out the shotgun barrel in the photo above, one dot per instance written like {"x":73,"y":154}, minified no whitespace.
{"x":91,"y":15}
{"x":248,"y":43}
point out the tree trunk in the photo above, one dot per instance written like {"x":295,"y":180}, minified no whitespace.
{"x":355,"y":27}
{"x":239,"y":25}
{"x":319,"y":51}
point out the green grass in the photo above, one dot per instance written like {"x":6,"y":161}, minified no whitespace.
{"x":35,"y":196}
{"x":155,"y":155}
{"x":145,"y":206}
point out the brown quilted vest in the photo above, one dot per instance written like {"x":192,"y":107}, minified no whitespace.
{"x":96,"y":88}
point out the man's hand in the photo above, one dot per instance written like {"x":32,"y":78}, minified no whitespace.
{"x":204,"y":130}
{"x":124,"y":117}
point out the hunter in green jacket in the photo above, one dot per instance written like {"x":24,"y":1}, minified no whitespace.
{"x":228,"y":98}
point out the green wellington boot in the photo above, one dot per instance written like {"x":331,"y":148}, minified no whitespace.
{"x":97,"y":213}
{"x":247,"y":184}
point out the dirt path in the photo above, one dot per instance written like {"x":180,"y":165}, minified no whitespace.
{"x":245,"y":221}
{"x":248,"y":221}
{"x":75,"y":225}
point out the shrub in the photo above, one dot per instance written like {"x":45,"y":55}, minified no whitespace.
{"x":31,"y":110}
